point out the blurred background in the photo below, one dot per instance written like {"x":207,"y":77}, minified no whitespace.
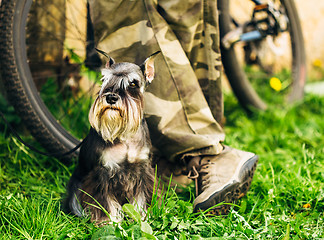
{"x":311,"y":14}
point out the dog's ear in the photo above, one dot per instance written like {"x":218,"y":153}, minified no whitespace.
{"x":110,"y":60}
{"x":148,"y":67}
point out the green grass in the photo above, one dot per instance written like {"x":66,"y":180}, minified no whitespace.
{"x":286,"y":199}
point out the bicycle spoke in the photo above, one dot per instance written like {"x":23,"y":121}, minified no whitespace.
{"x":59,"y":21}
{"x":77,"y":101}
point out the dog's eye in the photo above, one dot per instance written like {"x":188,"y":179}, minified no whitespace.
{"x":133,"y":84}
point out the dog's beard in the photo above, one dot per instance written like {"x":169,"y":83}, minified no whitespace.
{"x":119,"y":121}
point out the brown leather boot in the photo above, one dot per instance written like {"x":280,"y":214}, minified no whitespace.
{"x":225,"y":177}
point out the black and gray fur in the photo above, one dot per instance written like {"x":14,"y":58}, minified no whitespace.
{"x":114,"y":165}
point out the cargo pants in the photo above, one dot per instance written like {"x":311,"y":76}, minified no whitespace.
{"x":183,"y":104}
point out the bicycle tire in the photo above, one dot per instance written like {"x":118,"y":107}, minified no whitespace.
{"x":240,"y":84}
{"x":18,"y":81}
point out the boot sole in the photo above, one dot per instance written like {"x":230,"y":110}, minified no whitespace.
{"x":232,"y":192}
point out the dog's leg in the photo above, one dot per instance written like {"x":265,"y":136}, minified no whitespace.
{"x":72,"y":203}
{"x":140,"y":203}
{"x":98,"y":196}
{"x":143,"y":198}
{"x":116,"y":210}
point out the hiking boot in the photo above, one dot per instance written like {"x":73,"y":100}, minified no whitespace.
{"x":225,"y":177}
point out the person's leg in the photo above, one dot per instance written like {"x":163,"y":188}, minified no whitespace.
{"x":225,"y":176}
{"x":178,"y":115}
{"x":195,"y":24}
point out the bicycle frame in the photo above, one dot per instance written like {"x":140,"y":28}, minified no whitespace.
{"x":273,"y":24}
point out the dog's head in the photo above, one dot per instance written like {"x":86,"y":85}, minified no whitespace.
{"x":118,"y":109}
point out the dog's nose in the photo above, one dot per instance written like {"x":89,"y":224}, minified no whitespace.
{"x":112,"y":98}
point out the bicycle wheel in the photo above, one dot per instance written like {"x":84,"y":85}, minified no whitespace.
{"x":42,"y":69}
{"x":267,"y":70}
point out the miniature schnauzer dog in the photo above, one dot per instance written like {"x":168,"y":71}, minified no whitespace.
{"x":115,"y":164}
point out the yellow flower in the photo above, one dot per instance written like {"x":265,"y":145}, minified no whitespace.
{"x":307,"y":205}
{"x":317,"y":63}
{"x":275,"y":83}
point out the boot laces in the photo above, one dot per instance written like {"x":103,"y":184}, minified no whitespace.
{"x":196,"y":170}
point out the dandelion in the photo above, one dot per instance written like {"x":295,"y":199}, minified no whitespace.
{"x":275,"y":84}
{"x":317,"y":63}
{"x":307,"y":205}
